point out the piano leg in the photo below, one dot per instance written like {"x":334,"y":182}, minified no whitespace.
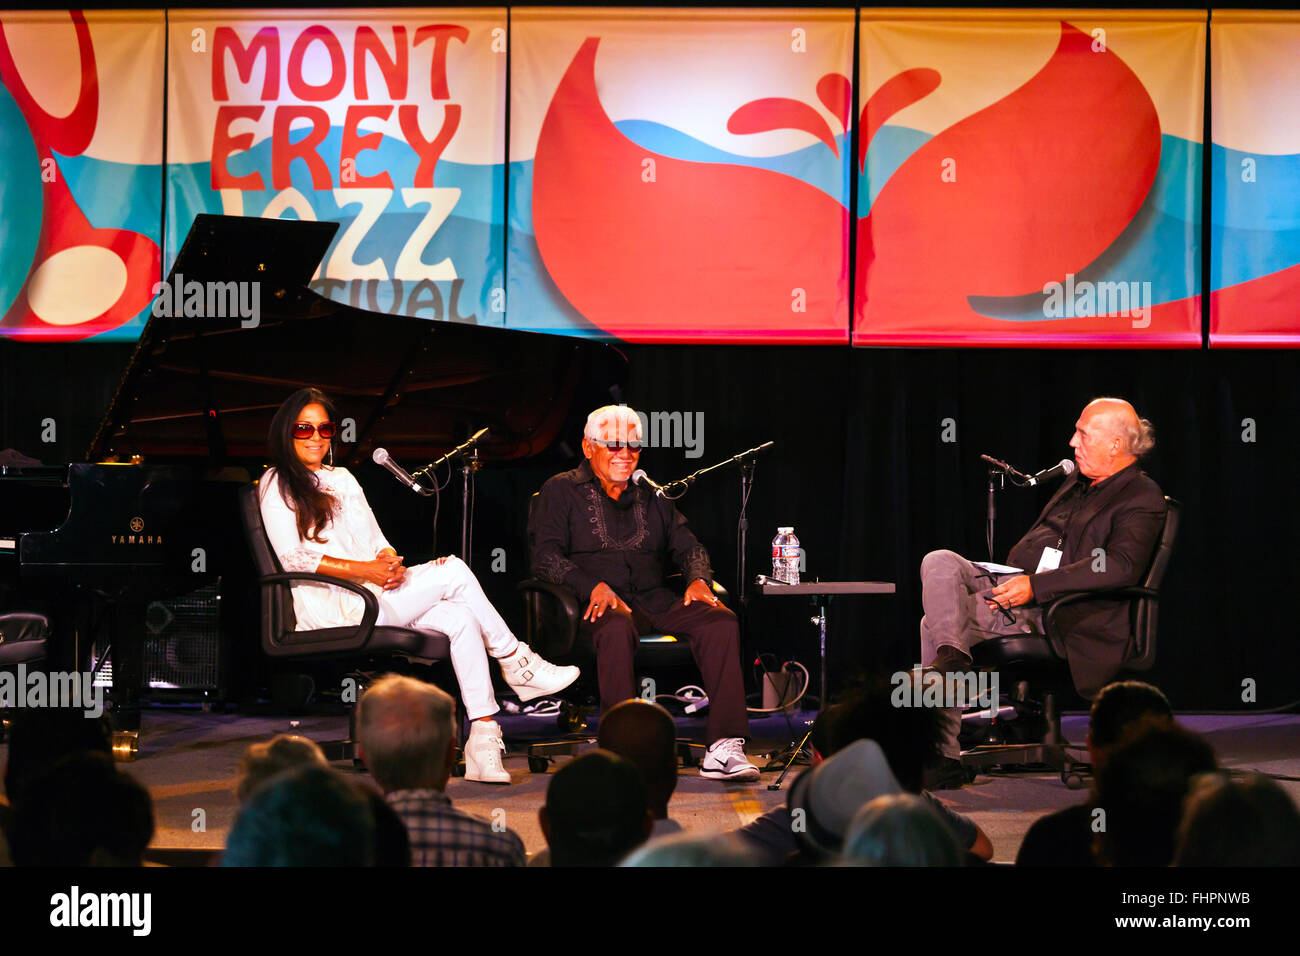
{"x":71,"y":620}
{"x":128,"y":648}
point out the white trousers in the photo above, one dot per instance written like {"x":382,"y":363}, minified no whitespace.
{"x":447,"y":597}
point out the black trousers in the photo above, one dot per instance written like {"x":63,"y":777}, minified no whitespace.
{"x":714,"y":638}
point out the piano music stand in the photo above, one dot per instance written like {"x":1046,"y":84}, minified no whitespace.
{"x":820,"y":593}
{"x":282,"y":253}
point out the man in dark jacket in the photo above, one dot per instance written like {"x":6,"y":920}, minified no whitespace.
{"x":1097,"y":532}
{"x":610,"y":539}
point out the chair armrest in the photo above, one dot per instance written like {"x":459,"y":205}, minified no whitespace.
{"x":1112,"y":594}
{"x":29,"y":627}
{"x":368,"y":617}
{"x":554,"y":603}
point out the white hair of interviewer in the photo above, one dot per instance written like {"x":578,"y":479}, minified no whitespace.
{"x":625,"y":423}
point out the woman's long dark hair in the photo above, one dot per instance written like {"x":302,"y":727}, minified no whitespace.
{"x":298,"y":485}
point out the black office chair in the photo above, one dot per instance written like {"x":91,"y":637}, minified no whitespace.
{"x":552,"y":614}
{"x":1038,"y":672}
{"x":23,"y":640}
{"x":366,"y":647}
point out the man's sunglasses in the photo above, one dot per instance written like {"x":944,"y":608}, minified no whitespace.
{"x":615,"y":445}
{"x":304,"y":430}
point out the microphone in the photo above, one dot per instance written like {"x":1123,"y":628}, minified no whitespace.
{"x":381,"y":458}
{"x":1003,"y":467}
{"x":458,"y":450}
{"x":1063,"y":467}
{"x":639,"y":477}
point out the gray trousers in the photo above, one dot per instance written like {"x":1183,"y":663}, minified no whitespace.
{"x":956,"y":615}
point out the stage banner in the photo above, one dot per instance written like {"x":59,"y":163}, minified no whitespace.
{"x":81,"y":127}
{"x":1030,"y":178}
{"x":388,"y":122}
{"x":1255,"y":185}
{"x":681,"y":175}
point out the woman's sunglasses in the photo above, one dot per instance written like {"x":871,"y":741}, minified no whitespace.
{"x":304,"y":430}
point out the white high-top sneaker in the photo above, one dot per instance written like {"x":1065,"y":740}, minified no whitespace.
{"x":483,"y":753}
{"x":530,"y":675}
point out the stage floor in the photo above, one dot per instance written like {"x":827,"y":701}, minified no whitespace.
{"x":189,"y":761}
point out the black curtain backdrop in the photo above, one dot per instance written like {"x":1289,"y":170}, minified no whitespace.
{"x":862,"y":471}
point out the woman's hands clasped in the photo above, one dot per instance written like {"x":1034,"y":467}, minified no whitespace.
{"x":385,"y":570}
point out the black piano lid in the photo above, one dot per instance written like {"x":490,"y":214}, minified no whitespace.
{"x":205,"y":389}
{"x":278,"y":252}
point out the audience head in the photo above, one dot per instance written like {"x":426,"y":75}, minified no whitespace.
{"x":1141,"y":788}
{"x":81,"y":811}
{"x":689,"y":849}
{"x":643,"y":733}
{"x":262,"y":761}
{"x":407,"y":732}
{"x":1119,"y":709}
{"x":41,"y":736}
{"x":900,"y":830}
{"x":824,"y":798}
{"x":1252,"y":822}
{"x":911,"y":737}
{"x":307,"y":816}
{"x":822,"y":741}
{"x":595,"y":811}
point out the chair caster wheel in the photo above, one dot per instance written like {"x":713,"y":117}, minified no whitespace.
{"x":572,"y":719}
{"x":1072,"y":779}
{"x":358,"y":763}
{"x":538,"y":764}
{"x":689,"y":759}
{"x":458,"y":768}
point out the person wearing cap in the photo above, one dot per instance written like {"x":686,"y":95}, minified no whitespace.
{"x":909,"y":739}
{"x":825,"y":801}
{"x":612,"y":541}
{"x":1098,"y":532}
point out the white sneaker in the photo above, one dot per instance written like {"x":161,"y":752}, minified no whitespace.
{"x":725,"y":760}
{"x":483,"y":753}
{"x":529,"y":675}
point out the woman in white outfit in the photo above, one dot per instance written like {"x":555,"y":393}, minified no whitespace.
{"x":318,"y":520}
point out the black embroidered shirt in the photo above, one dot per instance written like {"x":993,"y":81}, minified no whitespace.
{"x":579,"y":537}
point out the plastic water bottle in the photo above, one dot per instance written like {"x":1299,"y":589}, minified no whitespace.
{"x":785,"y":556}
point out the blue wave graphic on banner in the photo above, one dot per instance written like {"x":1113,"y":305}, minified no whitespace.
{"x":816,"y":165}
{"x":472,"y":236}
{"x":101,"y":188}
{"x":1254,"y":215}
{"x":20,"y":198}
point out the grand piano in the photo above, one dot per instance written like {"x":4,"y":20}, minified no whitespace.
{"x":151,"y":512}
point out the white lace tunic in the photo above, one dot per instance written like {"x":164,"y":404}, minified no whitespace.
{"x":351,"y":533}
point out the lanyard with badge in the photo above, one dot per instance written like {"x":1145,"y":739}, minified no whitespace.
{"x":1051,"y":559}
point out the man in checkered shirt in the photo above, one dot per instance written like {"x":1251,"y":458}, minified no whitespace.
{"x":408,"y":741}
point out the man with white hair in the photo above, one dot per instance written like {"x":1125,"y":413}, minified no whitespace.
{"x":407,"y":732}
{"x":609,"y":540}
{"x":1098,"y":532}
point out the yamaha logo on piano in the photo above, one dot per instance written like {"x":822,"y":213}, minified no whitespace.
{"x":135,"y":537}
